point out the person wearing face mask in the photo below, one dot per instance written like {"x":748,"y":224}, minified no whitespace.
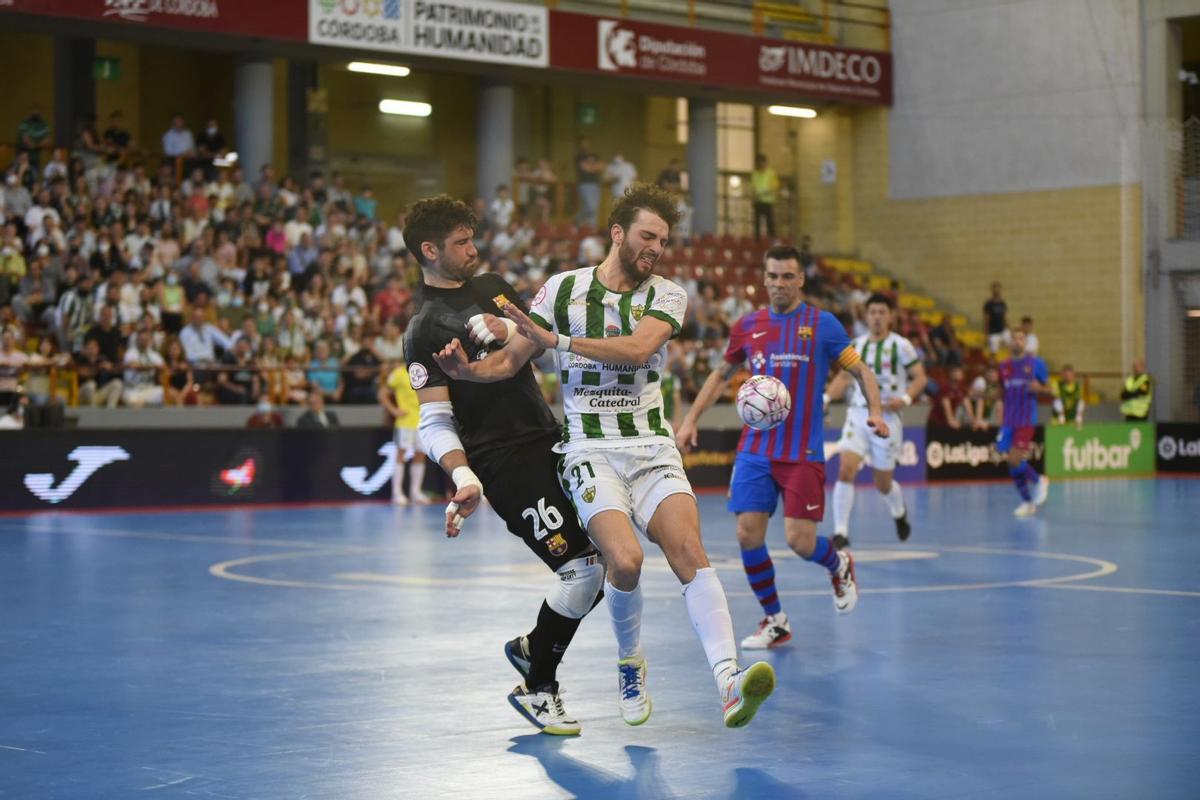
{"x":171,"y":301}
{"x":265,"y":415}
{"x":209,"y":145}
{"x":16,"y":198}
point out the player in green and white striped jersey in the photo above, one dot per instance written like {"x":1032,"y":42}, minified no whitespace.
{"x":610,"y":325}
{"x":901,"y":378}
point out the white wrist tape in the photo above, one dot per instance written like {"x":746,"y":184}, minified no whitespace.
{"x":906,"y":398}
{"x":825,"y":399}
{"x":480,"y":332}
{"x":438,"y":432}
{"x":564,"y":344}
{"x":464,"y":476}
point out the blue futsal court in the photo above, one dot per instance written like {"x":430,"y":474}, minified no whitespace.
{"x":354,"y":652}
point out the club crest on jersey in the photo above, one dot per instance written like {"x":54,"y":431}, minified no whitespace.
{"x":417,"y":375}
{"x":758,"y":360}
{"x":804,"y":332}
{"x":637,"y":311}
{"x":589,"y":494}
{"x":556,"y":544}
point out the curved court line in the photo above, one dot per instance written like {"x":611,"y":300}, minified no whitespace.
{"x":1130,"y":590}
{"x":370,"y":580}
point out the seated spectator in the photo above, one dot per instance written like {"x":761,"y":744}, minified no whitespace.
{"x":366,"y":203}
{"x":946,"y":347}
{"x":1031,"y":339}
{"x":295,"y":381}
{"x":363,"y":369}
{"x":181,"y":388}
{"x":32,"y":134}
{"x":36,"y":296}
{"x":986,"y":399}
{"x":117,"y":139}
{"x":389,"y":345}
{"x":201,"y":340}
{"x":143,"y":366}
{"x":210,"y":144}
{"x":317,"y":416}
{"x":109,"y":337}
{"x":99,"y":378}
{"x":950,"y":408}
{"x":178,"y":142}
{"x":265,"y":415}
{"x":324,"y":374}
{"x":43,"y":366}
{"x":237,"y":382}
{"x":12,"y":361}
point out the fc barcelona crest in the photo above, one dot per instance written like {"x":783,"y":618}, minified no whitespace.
{"x":556,"y":544}
{"x":589,"y":494}
{"x":804,"y":332}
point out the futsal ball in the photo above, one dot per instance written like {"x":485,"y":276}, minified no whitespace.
{"x":763,"y":402}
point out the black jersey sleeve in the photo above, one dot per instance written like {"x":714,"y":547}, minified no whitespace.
{"x":421,"y":341}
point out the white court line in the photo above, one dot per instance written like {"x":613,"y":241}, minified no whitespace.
{"x":369,"y":580}
{"x":21,"y":749}
{"x":1128,"y":590}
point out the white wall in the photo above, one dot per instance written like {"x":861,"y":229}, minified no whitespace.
{"x":1012,"y":95}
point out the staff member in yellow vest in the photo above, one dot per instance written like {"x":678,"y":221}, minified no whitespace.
{"x":1137,"y":394}
{"x":397,"y":396}
{"x":765,"y":184}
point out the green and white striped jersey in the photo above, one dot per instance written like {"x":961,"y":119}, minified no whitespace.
{"x":890,"y":361}
{"x":609,"y":405}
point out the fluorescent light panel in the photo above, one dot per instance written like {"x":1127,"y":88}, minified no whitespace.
{"x":792,"y":111}
{"x":393,"y":70}
{"x":405,"y":108}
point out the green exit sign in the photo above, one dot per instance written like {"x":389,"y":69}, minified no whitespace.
{"x":106,"y":69}
{"x":587,"y":114}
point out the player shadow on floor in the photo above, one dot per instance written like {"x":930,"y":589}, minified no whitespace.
{"x":584,"y":780}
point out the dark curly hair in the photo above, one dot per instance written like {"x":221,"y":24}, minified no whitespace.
{"x":432,"y":220}
{"x":641,"y":196}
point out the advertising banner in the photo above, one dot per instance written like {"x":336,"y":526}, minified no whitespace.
{"x":1115,"y":448}
{"x":146,"y":468}
{"x":275,"y":19}
{"x":695,"y":55}
{"x":472,"y":30}
{"x":1178,"y":447}
{"x":965,"y":455}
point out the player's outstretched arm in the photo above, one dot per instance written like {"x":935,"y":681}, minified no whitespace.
{"x":687,"y":434}
{"x":502,"y":364}
{"x":870,"y":389}
{"x":650,"y":334}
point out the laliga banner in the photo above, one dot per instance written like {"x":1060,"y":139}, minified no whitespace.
{"x":1178,"y":447}
{"x":958,"y":455}
{"x":471,"y":30}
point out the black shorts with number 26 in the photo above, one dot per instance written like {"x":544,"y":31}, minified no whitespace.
{"x":522,"y":484}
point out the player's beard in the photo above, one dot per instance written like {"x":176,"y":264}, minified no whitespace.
{"x":635,"y":270}
{"x":463,"y":272}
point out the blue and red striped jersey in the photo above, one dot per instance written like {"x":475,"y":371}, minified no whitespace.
{"x":1020,"y":401}
{"x":798,"y":349}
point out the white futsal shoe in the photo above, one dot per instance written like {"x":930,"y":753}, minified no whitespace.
{"x":631,"y":684}
{"x":1025,"y":510}
{"x":744,"y":691}
{"x":543,"y":707}
{"x":773,"y":631}
{"x":1042,"y":492}
{"x":845,"y":588}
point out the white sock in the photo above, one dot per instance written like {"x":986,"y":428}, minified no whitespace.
{"x":416,"y":469}
{"x":843,"y":502}
{"x":895,"y":501}
{"x":709,"y":610}
{"x":625,"y":609}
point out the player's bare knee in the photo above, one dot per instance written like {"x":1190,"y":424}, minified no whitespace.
{"x":801,"y":536}
{"x":883,"y":482}
{"x":624,"y":568}
{"x":749,"y":537}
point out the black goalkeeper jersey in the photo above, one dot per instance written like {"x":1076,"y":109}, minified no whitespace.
{"x":489,"y":415}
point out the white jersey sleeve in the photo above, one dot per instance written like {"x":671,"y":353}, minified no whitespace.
{"x":670,"y":305}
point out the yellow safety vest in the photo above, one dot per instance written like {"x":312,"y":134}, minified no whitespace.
{"x":1138,"y":406}
{"x":764,"y":183}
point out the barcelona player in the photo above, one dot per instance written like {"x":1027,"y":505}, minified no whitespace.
{"x":796,"y":343}
{"x":1023,"y":377}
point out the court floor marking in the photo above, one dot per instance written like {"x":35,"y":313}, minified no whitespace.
{"x":369,"y":580}
{"x":1128,"y":590}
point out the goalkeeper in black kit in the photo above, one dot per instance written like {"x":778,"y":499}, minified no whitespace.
{"x":495,"y":440}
